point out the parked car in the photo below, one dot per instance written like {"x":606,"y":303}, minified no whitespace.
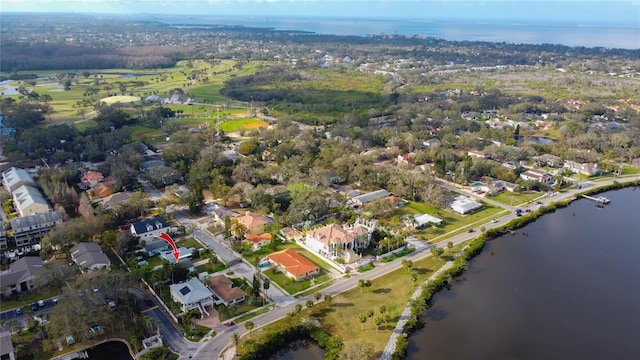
{"x":470,"y":230}
{"x":34,"y":306}
{"x":19,"y":311}
{"x":41,"y":303}
{"x":54,"y":301}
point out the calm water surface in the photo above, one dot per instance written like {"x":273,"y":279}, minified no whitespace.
{"x":302,"y":350}
{"x":564,"y":287}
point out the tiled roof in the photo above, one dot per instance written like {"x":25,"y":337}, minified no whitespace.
{"x":294,"y":263}
{"x":258,"y":238}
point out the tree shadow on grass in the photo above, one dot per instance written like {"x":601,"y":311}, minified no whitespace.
{"x":382,"y":291}
{"x":342,"y":304}
{"x":422,"y":271}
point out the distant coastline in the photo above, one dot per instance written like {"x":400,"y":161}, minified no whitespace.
{"x":623,"y":36}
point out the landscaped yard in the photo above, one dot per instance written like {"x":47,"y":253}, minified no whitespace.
{"x":340,"y":316}
{"x":451,"y":221}
{"x":291,"y":286}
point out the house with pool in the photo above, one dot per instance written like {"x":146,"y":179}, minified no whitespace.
{"x":292,"y":264}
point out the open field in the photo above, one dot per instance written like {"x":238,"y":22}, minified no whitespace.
{"x":451,"y":221}
{"x":514,"y":198}
{"x":340,"y":316}
{"x":242,"y":124}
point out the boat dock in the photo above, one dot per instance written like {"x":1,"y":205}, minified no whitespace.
{"x":599,"y":199}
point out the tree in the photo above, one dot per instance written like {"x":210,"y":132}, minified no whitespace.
{"x":363,"y":319}
{"x":407,"y":265}
{"x":382,"y":309}
{"x":328,"y":298}
{"x":414,"y":277}
{"x":436,"y":251}
{"x":450,"y":245}
{"x":249,"y":326}
{"x":317,"y":296}
{"x":378,"y":322}
{"x":309,"y":303}
{"x":357,"y":350}
{"x":236,"y":339}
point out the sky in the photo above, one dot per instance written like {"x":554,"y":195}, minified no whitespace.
{"x":580,"y":11}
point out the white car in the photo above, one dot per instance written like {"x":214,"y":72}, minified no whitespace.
{"x":41,"y":303}
{"x":494,"y":221}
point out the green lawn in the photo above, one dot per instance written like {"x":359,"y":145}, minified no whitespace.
{"x":24,"y":299}
{"x":340,"y":316}
{"x":189,"y":243}
{"x":514,"y":198}
{"x":367,"y":267}
{"x":452,"y":222}
{"x":242,"y":124}
{"x":291,"y":286}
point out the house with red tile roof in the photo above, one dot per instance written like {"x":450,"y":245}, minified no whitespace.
{"x":91,"y":179}
{"x":292,"y":264}
{"x":258,"y":241}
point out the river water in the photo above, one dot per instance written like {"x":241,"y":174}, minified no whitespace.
{"x":564,"y":287}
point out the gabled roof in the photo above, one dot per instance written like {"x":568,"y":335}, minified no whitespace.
{"x":21,"y":270}
{"x":190,"y":291}
{"x":88,"y":255}
{"x":14,"y":177}
{"x":294,"y":263}
{"x":93,"y":175}
{"x":25,"y":196}
{"x":35,"y":220}
{"x":370,"y":196}
{"x":116,"y":199}
{"x":148,"y":225}
{"x":258,"y":238}
{"x":223,"y":288}
{"x":252,"y":221}
{"x":101,"y":190}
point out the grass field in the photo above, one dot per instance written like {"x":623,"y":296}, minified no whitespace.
{"x":514,"y":199}
{"x":242,"y":124}
{"x":451,"y":221}
{"x":340,"y":316}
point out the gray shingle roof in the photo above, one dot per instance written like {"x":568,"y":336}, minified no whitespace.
{"x":21,"y":270}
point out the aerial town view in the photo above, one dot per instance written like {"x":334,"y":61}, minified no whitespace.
{"x":344,"y":180}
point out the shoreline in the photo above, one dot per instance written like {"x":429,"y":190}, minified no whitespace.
{"x":400,"y":345}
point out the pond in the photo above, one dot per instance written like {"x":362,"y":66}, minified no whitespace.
{"x":540,"y":140}
{"x":301,"y":350}
{"x":110,"y":350}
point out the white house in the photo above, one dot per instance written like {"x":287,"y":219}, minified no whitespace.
{"x":192,"y":294}
{"x":150,"y":228}
{"x":537,"y":175}
{"x":28,"y":200}
{"x":423,"y":220}
{"x":364,"y":199}
{"x":14,"y":177}
{"x":588,"y":169}
{"x":464,"y":205}
{"x":334,"y":241}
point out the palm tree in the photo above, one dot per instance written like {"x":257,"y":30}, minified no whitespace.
{"x":236,"y":339}
{"x":363,"y":319}
{"x":249,"y":326}
{"x":328,"y":298}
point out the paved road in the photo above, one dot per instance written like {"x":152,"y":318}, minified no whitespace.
{"x":227,"y":255}
{"x":211,"y":349}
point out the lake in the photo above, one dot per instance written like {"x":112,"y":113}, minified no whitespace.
{"x":564,"y":287}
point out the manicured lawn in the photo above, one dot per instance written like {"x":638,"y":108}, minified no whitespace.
{"x":189,"y":243}
{"x":451,"y":221}
{"x":340,"y":317}
{"x":291,"y":286}
{"x":514,"y":198}
{"x":367,"y":267}
{"x":397,"y":255}
{"x":242,"y":124}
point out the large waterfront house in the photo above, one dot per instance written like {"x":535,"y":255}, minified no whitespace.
{"x":588,"y":169}
{"x":335,"y":241}
{"x":537,"y":175}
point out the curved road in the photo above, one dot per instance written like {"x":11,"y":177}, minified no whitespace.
{"x":213,"y":348}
